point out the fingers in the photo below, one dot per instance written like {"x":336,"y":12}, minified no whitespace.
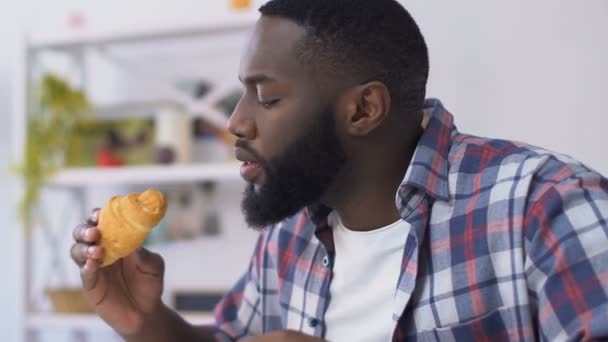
{"x":81,"y":252}
{"x":94,"y":217}
{"x":86,"y":234}
{"x":85,"y":252}
{"x":78,"y":252}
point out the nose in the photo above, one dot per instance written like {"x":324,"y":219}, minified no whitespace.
{"x":241,"y":124}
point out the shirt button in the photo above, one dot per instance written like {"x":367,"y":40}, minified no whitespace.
{"x":326,"y":261}
{"x":313,"y":322}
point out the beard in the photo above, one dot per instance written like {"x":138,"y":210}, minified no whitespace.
{"x":298,"y":177}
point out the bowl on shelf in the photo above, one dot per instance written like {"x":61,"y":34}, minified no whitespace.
{"x":68,"y":300}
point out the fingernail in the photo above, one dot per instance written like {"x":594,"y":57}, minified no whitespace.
{"x":90,"y":251}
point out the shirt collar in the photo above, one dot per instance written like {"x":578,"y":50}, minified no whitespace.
{"x":428,"y":170}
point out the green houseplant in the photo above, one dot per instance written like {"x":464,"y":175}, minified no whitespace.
{"x":56,"y":108}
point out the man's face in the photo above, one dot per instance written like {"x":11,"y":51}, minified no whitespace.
{"x":286,"y":129}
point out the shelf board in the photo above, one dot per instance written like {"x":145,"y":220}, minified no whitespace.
{"x":91,"y":322}
{"x":157,"y":174}
{"x":69,"y":39}
{"x":181,"y":102}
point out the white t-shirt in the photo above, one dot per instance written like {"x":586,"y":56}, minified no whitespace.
{"x":365,"y":273}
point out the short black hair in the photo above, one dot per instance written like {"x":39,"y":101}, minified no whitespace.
{"x":366,"y":40}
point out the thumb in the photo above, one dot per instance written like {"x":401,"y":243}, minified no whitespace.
{"x":89,"y":274}
{"x":149,"y":263}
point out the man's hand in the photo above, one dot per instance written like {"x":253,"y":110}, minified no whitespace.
{"x":285,"y":336}
{"x":124,"y":293}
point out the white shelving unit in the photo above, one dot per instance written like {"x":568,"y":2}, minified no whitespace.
{"x":169,"y":174}
{"x":75,"y":43}
{"x":93,"y":322}
{"x":69,"y":39}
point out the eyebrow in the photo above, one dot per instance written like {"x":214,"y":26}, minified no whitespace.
{"x":256,"y":79}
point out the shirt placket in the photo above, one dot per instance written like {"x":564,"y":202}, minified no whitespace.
{"x":415,"y":210}
{"x":325,"y":258}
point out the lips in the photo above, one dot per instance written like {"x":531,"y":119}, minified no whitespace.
{"x":251,"y":169}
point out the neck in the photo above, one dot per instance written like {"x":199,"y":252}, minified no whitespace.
{"x":370,"y":204}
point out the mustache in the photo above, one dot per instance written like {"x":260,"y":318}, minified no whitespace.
{"x":240,"y":143}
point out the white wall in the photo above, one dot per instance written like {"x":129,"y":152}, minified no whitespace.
{"x":532,"y":71}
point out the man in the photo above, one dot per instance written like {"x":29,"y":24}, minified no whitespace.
{"x":378,"y":219}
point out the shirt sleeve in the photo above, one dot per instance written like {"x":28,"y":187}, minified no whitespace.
{"x":238,"y":314}
{"x":566,"y":244}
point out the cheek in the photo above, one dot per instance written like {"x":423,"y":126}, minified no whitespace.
{"x":274,"y":135}
{"x":278,"y":128}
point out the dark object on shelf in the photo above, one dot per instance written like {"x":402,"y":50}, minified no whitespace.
{"x":115,"y":141}
{"x":197,"y":88}
{"x":228,"y":103}
{"x":165,"y":155}
{"x":211,"y":223}
{"x":196,"y":301}
{"x":201,"y":128}
{"x":111,"y":142}
{"x":201,"y":88}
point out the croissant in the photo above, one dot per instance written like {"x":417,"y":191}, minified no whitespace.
{"x":126,"y":221}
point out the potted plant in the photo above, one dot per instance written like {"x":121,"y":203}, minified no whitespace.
{"x":56,"y":109}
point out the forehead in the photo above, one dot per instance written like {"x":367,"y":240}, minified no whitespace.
{"x":271,"y":49}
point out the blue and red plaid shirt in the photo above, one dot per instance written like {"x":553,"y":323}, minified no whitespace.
{"x":509,"y":242}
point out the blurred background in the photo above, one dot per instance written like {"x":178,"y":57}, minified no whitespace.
{"x":113,"y":96}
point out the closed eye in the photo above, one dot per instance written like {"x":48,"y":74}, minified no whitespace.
{"x":268,"y":104}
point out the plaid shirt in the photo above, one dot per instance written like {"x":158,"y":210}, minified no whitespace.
{"x":509,"y":242}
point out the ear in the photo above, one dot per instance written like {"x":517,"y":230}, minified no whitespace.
{"x":365,"y":107}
